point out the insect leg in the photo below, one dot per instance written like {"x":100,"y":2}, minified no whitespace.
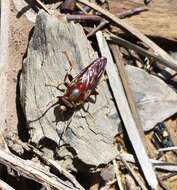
{"x":87,"y":111}
{"x":67,"y":125}
{"x":63,"y":83}
{"x":58,"y":86}
{"x":69,"y":76}
{"x":71,"y":62}
{"x":51,"y":101}
{"x":105,"y":78}
{"x":43,"y":114}
{"x":90,"y":99}
{"x":94,"y":93}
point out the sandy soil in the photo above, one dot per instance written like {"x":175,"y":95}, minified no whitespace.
{"x":19,"y":32}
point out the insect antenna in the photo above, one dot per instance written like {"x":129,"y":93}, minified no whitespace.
{"x":43,"y":114}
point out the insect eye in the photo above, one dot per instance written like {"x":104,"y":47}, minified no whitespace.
{"x":75,"y":93}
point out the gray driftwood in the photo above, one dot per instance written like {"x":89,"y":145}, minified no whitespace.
{"x":156,"y":101}
{"x":33,"y":170}
{"x":126,"y":114}
{"x":90,"y":139}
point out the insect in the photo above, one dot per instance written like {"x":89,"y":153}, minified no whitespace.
{"x":80,"y":88}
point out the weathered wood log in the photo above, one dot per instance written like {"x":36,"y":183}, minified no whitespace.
{"x":88,"y":140}
{"x":91,"y":139}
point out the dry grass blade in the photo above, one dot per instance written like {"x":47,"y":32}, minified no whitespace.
{"x":167,"y":149}
{"x":158,"y":164}
{"x":43,"y":6}
{"x":116,"y":170}
{"x":137,"y":179}
{"x":130,"y":183}
{"x":101,"y":25}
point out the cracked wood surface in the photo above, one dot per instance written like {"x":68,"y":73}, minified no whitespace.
{"x":91,"y":138}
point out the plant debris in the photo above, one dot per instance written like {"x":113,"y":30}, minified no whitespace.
{"x":95,"y":95}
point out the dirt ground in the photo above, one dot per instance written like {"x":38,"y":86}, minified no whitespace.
{"x":19,"y":34}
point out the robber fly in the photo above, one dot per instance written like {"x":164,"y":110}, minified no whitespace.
{"x":80,"y":88}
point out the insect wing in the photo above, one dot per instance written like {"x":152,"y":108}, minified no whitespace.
{"x":91,"y":75}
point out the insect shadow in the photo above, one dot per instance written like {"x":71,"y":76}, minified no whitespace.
{"x":59,"y":115}
{"x":68,"y":113}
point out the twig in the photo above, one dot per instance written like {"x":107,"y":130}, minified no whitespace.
{"x":95,"y":18}
{"x":126,"y":115}
{"x":167,"y":149}
{"x":43,"y":6}
{"x":101,"y":25}
{"x":103,"y":22}
{"x":130,"y":183}
{"x":168,"y":176}
{"x":84,"y":18}
{"x":5,"y":186}
{"x":137,"y":179}
{"x":30,"y":170}
{"x":164,"y":187}
{"x":124,"y":43}
{"x":128,"y":91}
{"x":53,"y":163}
{"x":131,"y":12}
{"x":116,"y":170}
{"x":159,"y":165}
{"x":82,"y":9}
{"x":66,"y":174}
{"x":127,"y":27}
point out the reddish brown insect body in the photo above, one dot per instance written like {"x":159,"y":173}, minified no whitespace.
{"x":80,"y":88}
